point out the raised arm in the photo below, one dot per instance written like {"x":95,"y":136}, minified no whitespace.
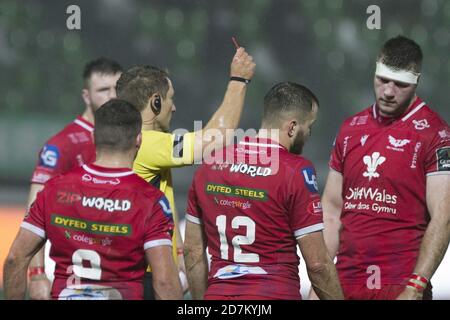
{"x":437,"y":236}
{"x":229,"y":112}
{"x":195,"y":259}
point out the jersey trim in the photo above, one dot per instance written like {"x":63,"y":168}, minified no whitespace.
{"x":30,"y":227}
{"x":84,"y":125}
{"x":193,"y":219}
{"x":307,"y":230}
{"x":107,"y":174}
{"x":157,"y":243}
{"x":407,"y":116}
{"x":260,"y":144}
{"x":413,"y":111}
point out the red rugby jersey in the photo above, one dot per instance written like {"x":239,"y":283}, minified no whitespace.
{"x":384,"y":163}
{"x":70,"y":148}
{"x":253,"y":208}
{"x":100,"y":221}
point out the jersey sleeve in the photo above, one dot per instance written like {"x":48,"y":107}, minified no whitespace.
{"x":34,"y":220}
{"x":437,"y":158}
{"x":304,"y":207}
{"x":336,"y":159}
{"x":193,"y":210}
{"x":164,"y":150}
{"x":159,"y":225}
{"x":52,"y":161}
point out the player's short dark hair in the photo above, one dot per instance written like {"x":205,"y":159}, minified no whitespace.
{"x":117,"y":124}
{"x":286,"y":98}
{"x":139,"y":83}
{"x":401,"y":53}
{"x":101,"y":65}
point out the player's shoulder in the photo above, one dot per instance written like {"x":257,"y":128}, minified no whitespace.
{"x":427,"y":118}
{"x":63,"y":138}
{"x":155,"y":137}
{"x":141,"y":187}
{"x":294,"y":162}
{"x":357,"y":120}
{"x":69,"y":178}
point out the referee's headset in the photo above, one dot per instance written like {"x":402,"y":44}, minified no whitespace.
{"x":155,"y":104}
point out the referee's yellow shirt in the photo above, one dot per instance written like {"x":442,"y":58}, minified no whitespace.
{"x":159,"y":153}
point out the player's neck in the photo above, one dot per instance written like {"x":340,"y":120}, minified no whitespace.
{"x":88,"y":115}
{"x":274,"y":135}
{"x":113,"y":160}
{"x":149,"y":123}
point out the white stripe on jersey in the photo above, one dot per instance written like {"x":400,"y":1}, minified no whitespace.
{"x":30,"y":227}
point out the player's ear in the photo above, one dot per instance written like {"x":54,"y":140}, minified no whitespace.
{"x":139,"y":140}
{"x":292,"y":128}
{"x":86,"y":96}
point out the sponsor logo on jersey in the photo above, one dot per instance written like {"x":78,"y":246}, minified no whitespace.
{"x":359,"y":120}
{"x":220,"y":166}
{"x":345,"y":145}
{"x":397,"y":144}
{"x":421,"y":124}
{"x":237,"y":270}
{"x":370,"y":194}
{"x":235,"y":191}
{"x":89,"y":292}
{"x":315,"y":207}
{"x":165,"y":206}
{"x":89,"y":240}
{"x":415,"y":155}
{"x":49,"y":156}
{"x":372,"y":162}
{"x":443,"y":159}
{"x":444,"y":134}
{"x":88,"y":178}
{"x":91,"y":226}
{"x":364,"y":139}
{"x":67,"y":197}
{"x":382,"y":202}
{"x":40,"y":177}
{"x":309,"y":177}
{"x":250,"y":170}
{"x":249,"y":151}
{"x":233,"y":203}
{"x":109,"y":205}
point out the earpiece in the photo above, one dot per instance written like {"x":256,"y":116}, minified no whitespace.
{"x":156,"y":105}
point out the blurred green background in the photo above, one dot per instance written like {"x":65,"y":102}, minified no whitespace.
{"x":324,"y":44}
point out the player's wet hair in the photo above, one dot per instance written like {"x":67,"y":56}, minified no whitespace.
{"x":117,"y":125}
{"x":401,"y":53}
{"x":139,"y":83}
{"x":287,"y":98}
{"x":102,"y":66}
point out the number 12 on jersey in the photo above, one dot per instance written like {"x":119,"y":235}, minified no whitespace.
{"x":238,"y":240}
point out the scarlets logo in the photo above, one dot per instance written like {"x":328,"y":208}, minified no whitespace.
{"x":372,"y":162}
{"x":421,"y":124}
{"x":397,"y":144}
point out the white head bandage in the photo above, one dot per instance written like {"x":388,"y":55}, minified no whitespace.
{"x":406,"y":76}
